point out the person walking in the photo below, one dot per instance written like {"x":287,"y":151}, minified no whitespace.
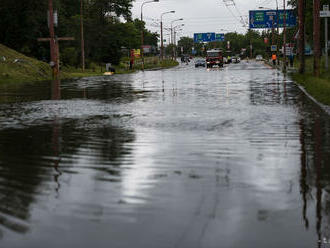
{"x":291,"y":58}
{"x":274,"y":58}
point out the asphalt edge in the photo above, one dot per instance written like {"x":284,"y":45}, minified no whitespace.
{"x":324,"y":107}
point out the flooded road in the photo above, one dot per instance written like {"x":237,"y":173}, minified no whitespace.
{"x":185,"y":157}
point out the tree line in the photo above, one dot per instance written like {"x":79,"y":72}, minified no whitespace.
{"x":109,"y":30}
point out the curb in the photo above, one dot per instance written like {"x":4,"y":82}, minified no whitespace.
{"x":324,"y":107}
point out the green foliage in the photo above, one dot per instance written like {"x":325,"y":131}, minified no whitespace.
{"x":104,"y":32}
{"x":69,"y":56}
{"x":187,"y":43}
{"x":309,"y":19}
{"x":15,"y":66}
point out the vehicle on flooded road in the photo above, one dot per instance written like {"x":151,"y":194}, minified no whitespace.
{"x":200,"y":62}
{"x":259,"y":58}
{"x":236,"y":59}
{"x":214,"y":57}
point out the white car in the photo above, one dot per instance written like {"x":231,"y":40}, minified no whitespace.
{"x":259,"y":58}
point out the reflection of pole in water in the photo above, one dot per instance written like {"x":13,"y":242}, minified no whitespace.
{"x":317,"y":162}
{"x":56,"y":150}
{"x":56,"y":89}
{"x":303,"y":185}
{"x":56,"y":95}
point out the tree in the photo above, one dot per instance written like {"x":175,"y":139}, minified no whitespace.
{"x":187,"y":43}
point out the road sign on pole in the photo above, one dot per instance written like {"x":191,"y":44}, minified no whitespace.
{"x":273,"y":48}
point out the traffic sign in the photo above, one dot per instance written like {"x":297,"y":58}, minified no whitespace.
{"x":219,"y":37}
{"x":269,"y":18}
{"x":204,"y":37}
{"x":325,"y":13}
{"x":273,"y":48}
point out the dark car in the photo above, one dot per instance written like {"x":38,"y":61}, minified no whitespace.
{"x":200,"y":62}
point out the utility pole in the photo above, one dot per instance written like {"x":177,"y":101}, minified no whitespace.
{"x":161,"y":33}
{"x":301,"y":48}
{"x":316,"y":37}
{"x":284,"y":37}
{"x":326,"y":14}
{"x":82,"y":36}
{"x":142,"y":40}
{"x":53,"y":43}
{"x":53,"y":40}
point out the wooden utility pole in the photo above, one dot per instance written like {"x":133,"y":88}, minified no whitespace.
{"x":316,"y":37}
{"x":53,"y":50}
{"x":284,"y":37}
{"x":301,"y":48}
{"x":53,"y":40}
{"x":82,"y":36}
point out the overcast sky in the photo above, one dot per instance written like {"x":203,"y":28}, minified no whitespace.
{"x":199,"y":15}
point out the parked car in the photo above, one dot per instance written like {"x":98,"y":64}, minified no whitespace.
{"x":259,"y":58}
{"x":200,"y":62}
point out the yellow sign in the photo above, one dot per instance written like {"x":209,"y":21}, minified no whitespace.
{"x":137,"y":53}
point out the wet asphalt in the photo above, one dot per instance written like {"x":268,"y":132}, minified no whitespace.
{"x":184,"y":157}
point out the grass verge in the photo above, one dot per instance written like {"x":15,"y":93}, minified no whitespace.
{"x":18,"y":68}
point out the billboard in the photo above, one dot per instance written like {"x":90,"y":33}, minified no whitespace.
{"x":204,"y":37}
{"x":271,"y":18}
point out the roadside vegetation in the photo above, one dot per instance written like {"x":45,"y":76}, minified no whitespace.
{"x":16,"y":67}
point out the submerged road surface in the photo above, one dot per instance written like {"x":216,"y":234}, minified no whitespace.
{"x":187,"y":158}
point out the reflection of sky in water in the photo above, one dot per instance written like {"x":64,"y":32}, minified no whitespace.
{"x":202,"y":163}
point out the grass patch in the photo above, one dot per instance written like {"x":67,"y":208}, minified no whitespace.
{"x":318,"y":87}
{"x":18,"y":68}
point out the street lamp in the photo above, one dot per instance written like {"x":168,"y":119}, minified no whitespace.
{"x":173,"y":49}
{"x":181,"y":19}
{"x":142,"y":34}
{"x":174,"y":38}
{"x":161,"y":33}
{"x":174,"y":32}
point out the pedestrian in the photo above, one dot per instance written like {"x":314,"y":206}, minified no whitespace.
{"x":274,"y":58}
{"x":291,"y":58}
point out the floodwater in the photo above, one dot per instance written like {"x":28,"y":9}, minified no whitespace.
{"x":184,"y":157}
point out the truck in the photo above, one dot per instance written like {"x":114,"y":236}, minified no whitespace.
{"x":214,"y":57}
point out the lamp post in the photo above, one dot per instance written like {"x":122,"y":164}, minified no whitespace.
{"x":174,"y":38}
{"x":161,"y":33}
{"x":181,"y":19}
{"x":177,"y":26}
{"x":142,"y":34}
{"x":173,"y":50}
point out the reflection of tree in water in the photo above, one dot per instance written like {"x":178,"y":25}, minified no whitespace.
{"x":315,"y":170}
{"x":30,"y":160}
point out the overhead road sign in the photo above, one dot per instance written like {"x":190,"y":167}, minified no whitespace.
{"x":204,"y":37}
{"x":269,"y":18}
{"x":219,"y":37}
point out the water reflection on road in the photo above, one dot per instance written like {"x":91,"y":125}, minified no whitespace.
{"x":182,"y":157}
